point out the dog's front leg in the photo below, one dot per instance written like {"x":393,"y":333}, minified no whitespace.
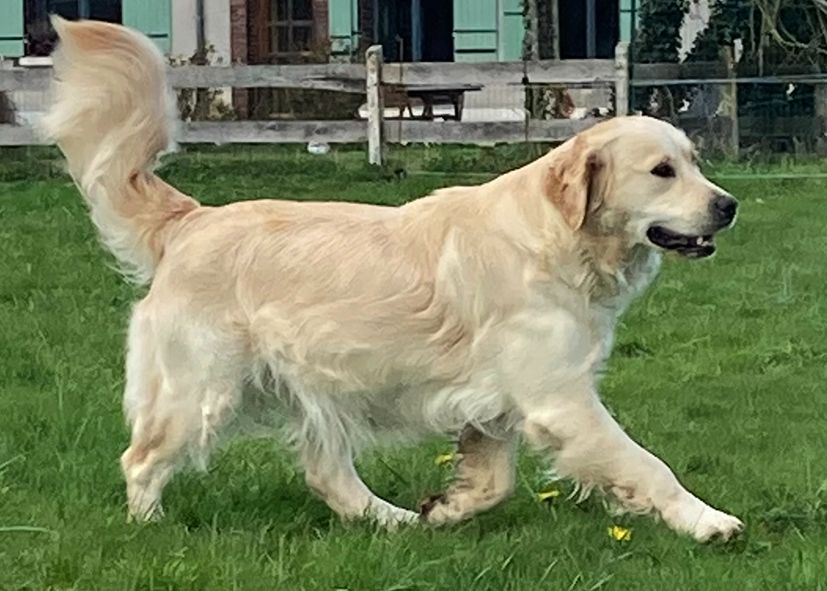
{"x":591,"y":448}
{"x":484,"y":476}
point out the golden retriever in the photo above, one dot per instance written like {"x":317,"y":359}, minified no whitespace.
{"x":485,"y":311}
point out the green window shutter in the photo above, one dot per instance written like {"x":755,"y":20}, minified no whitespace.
{"x":342,"y":15}
{"x":625,"y":9}
{"x":152,"y":18}
{"x":475,"y":30}
{"x":512,"y":31}
{"x":11,"y":28}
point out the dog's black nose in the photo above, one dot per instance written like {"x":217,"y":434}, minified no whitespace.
{"x":723,"y":209}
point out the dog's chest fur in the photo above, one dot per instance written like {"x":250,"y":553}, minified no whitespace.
{"x":613,"y":292}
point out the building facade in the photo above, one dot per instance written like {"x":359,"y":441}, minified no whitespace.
{"x":284,"y":31}
{"x":176,"y":26}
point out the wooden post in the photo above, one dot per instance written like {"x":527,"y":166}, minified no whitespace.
{"x":729,"y":99}
{"x":376,"y":108}
{"x":533,"y":33}
{"x":820,"y":92}
{"x":622,"y":79}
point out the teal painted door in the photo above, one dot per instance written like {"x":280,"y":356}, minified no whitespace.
{"x":512,"y":31}
{"x":11,"y":28}
{"x":488,"y":30}
{"x":151,"y":17}
{"x":343,"y":18}
{"x":476,"y":24}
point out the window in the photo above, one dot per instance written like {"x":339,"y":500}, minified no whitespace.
{"x":290,"y":28}
{"x":40,"y":38}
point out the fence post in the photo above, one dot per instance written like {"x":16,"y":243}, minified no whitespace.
{"x":622,"y":79}
{"x":730,"y":100}
{"x":376,"y":108}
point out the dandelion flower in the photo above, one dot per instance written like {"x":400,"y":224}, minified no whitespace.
{"x":620,"y":534}
{"x":548,"y":495}
{"x":443,"y":459}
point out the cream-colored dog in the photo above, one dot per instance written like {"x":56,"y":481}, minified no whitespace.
{"x":484,"y":310}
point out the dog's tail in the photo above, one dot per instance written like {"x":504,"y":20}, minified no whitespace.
{"x":112,"y":115}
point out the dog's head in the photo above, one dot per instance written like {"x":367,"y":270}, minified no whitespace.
{"x":639,"y":177}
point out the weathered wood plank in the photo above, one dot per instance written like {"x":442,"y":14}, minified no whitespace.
{"x":232,"y":132}
{"x":271,"y":132}
{"x":13,"y":135}
{"x":30,"y":79}
{"x":622,"y":78}
{"x":351,"y":77}
{"x":409,"y":131}
{"x":502,"y":73}
{"x":340,"y":77}
{"x":376,"y":106}
{"x":483,"y":132}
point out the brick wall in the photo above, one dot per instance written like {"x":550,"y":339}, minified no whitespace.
{"x":321,"y":30}
{"x":239,"y":50}
{"x":248,"y":42}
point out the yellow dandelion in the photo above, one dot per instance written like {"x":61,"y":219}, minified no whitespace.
{"x":620,"y":534}
{"x":548,"y":495}
{"x":443,"y":459}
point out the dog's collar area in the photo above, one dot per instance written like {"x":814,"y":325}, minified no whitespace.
{"x":690,"y":246}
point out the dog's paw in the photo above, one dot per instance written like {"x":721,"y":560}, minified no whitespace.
{"x":432,"y":509}
{"x":391,"y":517}
{"x":716,"y":525}
{"x":150,"y":514}
{"x":702,"y":522}
{"x":442,"y":509}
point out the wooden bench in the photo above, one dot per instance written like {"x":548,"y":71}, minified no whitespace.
{"x":402,"y":96}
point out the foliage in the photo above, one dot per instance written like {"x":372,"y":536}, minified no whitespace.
{"x":772,"y":34}
{"x":728,"y":20}
{"x":657,"y":37}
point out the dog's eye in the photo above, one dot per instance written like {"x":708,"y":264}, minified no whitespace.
{"x":664,"y":171}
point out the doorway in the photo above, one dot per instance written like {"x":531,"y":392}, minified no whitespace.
{"x":415,"y":30}
{"x":437,"y":17}
{"x":588,"y":29}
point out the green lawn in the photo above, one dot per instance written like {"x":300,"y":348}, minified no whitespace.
{"x":720,"y":370}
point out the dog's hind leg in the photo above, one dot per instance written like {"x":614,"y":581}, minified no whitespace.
{"x":175,"y":401}
{"x":485,"y":475}
{"x":332,"y":476}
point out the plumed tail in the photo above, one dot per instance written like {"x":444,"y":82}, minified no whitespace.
{"x":112,"y":115}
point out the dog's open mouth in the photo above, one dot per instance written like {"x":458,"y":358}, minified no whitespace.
{"x":689,"y":246}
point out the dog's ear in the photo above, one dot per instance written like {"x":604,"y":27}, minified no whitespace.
{"x":570,"y":181}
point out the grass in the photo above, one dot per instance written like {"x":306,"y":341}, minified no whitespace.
{"x":719,"y":369}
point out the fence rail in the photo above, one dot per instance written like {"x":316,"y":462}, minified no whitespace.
{"x":351,"y":77}
{"x":564,"y":73}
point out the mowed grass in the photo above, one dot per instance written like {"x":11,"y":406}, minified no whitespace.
{"x":719,"y":369}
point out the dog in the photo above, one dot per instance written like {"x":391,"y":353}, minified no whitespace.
{"x":484,"y":311}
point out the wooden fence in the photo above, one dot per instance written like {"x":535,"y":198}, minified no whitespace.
{"x":369,"y":80}
{"x":374,"y":77}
